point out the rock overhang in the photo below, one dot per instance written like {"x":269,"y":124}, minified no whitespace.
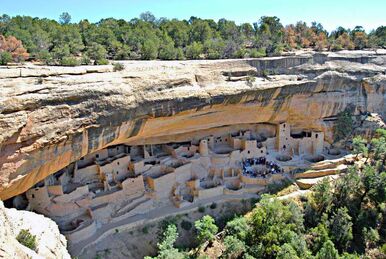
{"x":46,"y":125}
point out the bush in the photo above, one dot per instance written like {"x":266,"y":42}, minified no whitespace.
{"x":85,"y":60}
{"x":213,"y":206}
{"x":102,"y":61}
{"x":27,"y":239}
{"x":250,"y":80}
{"x":187,"y":225}
{"x":149,"y":50}
{"x":206,"y":229}
{"x":5,"y":58}
{"x":145,"y":230}
{"x":118,"y":66}
{"x":275,"y":187}
{"x":201,"y":209}
{"x":254,"y":53}
{"x":194,"y":50}
{"x":168,"y":52}
{"x":69,"y":61}
{"x":343,"y":125}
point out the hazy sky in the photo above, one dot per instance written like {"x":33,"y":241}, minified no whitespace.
{"x":331,"y":13}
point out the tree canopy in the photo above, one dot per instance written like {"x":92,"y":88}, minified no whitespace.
{"x":149,"y":37}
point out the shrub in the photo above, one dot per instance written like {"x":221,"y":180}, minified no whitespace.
{"x":118,"y":66}
{"x":102,"y":61}
{"x":275,"y":187}
{"x":250,"y":80}
{"x":85,"y":60}
{"x":145,"y":230}
{"x":149,"y":49}
{"x":5,"y":58}
{"x":69,"y":61}
{"x":187,"y":225}
{"x":206,"y":229}
{"x":213,"y":206}
{"x":167,"y":52}
{"x":27,"y":239}
{"x":254,"y":53}
{"x":343,"y":125}
{"x":201,"y":209}
{"x":194,"y":50}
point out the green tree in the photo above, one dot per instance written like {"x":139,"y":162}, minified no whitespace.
{"x":206,"y":229}
{"x":238,"y":227}
{"x":97,"y":53}
{"x":214,"y":49}
{"x":318,"y":237}
{"x":343,"y":125}
{"x":340,"y":226}
{"x":5,"y":57}
{"x":194,"y":50}
{"x":65,"y":18}
{"x":328,"y":251}
{"x":287,"y":252}
{"x":149,"y":49}
{"x":233,"y":247}
{"x":166,"y":249}
{"x":359,"y":146}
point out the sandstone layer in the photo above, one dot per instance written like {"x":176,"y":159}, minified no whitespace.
{"x":50,"y":243}
{"x":53,"y":116}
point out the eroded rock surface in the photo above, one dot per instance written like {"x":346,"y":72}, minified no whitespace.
{"x":51,"y":116}
{"x":50,"y":243}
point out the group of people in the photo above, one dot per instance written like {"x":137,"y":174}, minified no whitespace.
{"x":270,"y":167}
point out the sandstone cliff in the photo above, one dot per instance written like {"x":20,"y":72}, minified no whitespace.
{"x":52,"y":116}
{"x":50,"y":243}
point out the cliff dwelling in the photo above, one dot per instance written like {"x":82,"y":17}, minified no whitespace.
{"x":123,"y":181}
{"x":97,"y":150}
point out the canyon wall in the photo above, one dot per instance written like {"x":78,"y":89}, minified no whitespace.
{"x":53,"y":116}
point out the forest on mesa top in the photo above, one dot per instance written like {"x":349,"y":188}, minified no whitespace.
{"x":65,"y":43}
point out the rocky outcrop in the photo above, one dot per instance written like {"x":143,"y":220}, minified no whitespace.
{"x":52,"y":116}
{"x":50,"y":243}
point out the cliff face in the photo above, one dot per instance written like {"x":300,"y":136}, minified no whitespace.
{"x":50,"y":243}
{"x":52,"y":116}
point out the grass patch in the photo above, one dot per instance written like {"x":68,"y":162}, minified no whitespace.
{"x":27,"y":239}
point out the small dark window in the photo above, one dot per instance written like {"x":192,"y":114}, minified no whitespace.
{"x":118,"y":163}
{"x":97,"y":155}
{"x":316,"y":136}
{"x":262,"y":151}
{"x":33,"y":195}
{"x":284,"y":146}
{"x":117,"y":172}
{"x":283,"y":125}
{"x":82,"y":158}
{"x":117,"y":148}
{"x":249,"y":152}
{"x":226,"y":139}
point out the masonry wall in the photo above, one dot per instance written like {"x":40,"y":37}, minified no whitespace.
{"x":74,"y":195}
{"x":183,"y":173}
{"x":209,"y":193}
{"x":87,"y":174}
{"x":133,"y":185}
{"x":38,"y":198}
{"x":162,"y":185}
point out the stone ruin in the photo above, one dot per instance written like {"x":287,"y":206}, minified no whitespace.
{"x":123,"y":181}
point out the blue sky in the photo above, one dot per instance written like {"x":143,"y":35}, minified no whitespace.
{"x":331,"y":13}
